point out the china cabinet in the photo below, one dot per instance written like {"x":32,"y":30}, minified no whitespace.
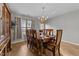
{"x":5,"y":24}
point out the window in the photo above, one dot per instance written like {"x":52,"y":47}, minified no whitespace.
{"x":23,"y":29}
{"x":41,"y":26}
{"x":29,"y":24}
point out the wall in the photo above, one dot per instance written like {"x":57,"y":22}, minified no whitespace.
{"x":69,"y":22}
{"x":37,"y":24}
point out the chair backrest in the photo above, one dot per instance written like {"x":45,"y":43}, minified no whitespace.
{"x":58,"y":36}
{"x":41,"y":32}
{"x":28,"y":35}
{"x":34,"y":34}
{"x":27,"y":32}
{"x":31,"y":33}
{"x":48,"y":31}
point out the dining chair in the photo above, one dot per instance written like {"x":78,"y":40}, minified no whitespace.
{"x":29,"y":37}
{"x":35,"y":42}
{"x":27,"y":34}
{"x":54,"y":45}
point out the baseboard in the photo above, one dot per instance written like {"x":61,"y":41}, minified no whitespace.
{"x":17,"y":41}
{"x":62,"y":41}
{"x":70,"y":42}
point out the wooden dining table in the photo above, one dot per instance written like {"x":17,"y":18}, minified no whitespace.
{"x":44,"y":40}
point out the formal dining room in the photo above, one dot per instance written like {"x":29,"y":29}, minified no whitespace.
{"x":39,"y":29}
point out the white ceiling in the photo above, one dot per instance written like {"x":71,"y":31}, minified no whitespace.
{"x":35,"y":9}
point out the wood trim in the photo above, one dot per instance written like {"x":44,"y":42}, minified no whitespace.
{"x":70,"y":42}
{"x":6,"y":7}
{"x":2,"y":19}
{"x":17,"y":41}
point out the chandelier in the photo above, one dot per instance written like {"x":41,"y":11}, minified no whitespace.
{"x":43,"y":18}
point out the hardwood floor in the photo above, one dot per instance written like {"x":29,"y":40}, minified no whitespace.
{"x":69,"y":49}
{"x":20,"y":49}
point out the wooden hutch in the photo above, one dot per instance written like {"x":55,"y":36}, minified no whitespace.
{"x":5,"y":37}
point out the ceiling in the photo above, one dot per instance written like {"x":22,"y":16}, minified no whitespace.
{"x":50,"y":9}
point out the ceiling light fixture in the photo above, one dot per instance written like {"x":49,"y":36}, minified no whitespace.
{"x":43,"y":18}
